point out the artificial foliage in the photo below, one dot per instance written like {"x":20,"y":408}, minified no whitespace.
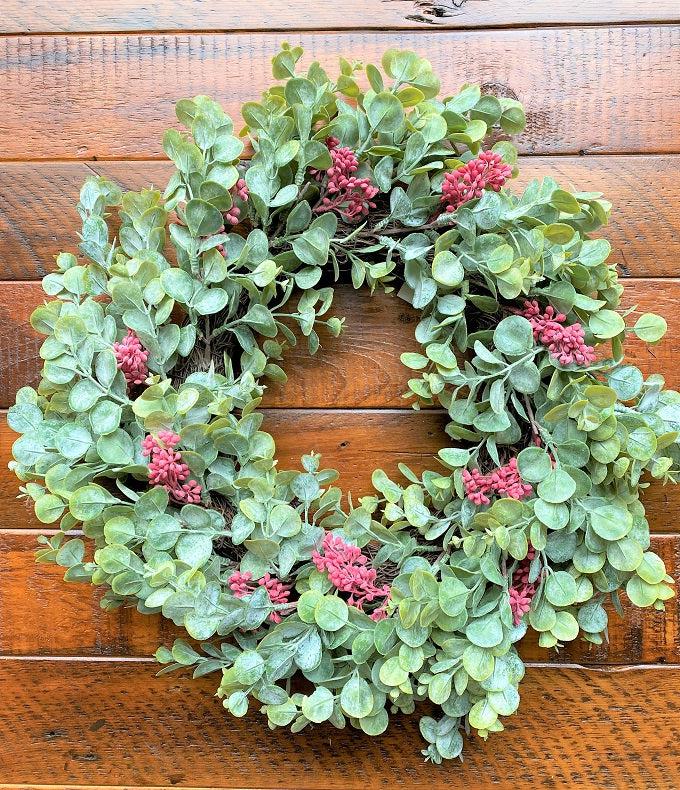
{"x":312,"y":607}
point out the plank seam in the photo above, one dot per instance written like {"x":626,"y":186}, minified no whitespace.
{"x":608,"y":669}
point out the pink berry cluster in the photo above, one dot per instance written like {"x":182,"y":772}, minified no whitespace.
{"x":348,"y":570}
{"x":131,"y":357}
{"x":521,"y":592}
{"x":565,"y":343}
{"x":241,"y":584}
{"x":350,"y":196}
{"x":470,"y":180}
{"x":167,"y":469}
{"x":505,"y":481}
{"x":240,"y":190}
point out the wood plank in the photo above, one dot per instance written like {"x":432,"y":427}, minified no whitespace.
{"x":43,"y":16}
{"x":361,"y":368}
{"x":82,"y":105}
{"x":354,"y":442}
{"x":38,"y":217}
{"x":72,"y":723}
{"x":42,"y":615}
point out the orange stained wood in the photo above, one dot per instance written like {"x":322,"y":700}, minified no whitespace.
{"x":111,"y":96}
{"x":644,"y":230}
{"x":97,"y":81}
{"x":84,"y":723}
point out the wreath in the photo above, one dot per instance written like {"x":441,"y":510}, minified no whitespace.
{"x":145,"y":432}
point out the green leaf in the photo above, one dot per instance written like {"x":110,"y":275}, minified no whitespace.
{"x":385,"y":112}
{"x":453,"y":595}
{"x":356,"y":698}
{"x":318,"y":706}
{"x":485,"y":631}
{"x":312,"y":247}
{"x":71,"y":553}
{"x":565,"y":202}
{"x":392,"y":673}
{"x":557,"y":486}
{"x":178,"y":284}
{"x":560,"y":588}
{"x":482,"y":715}
{"x":513,"y":336}
{"x":331,"y":613}
{"x":640,"y":592}
{"x":88,"y":502}
{"x":611,"y":522}
{"x":534,"y":464}
{"x":606,"y":324}
{"x":626,"y":381}
{"x":48,"y":508}
{"x":73,"y":441}
{"x":650,"y":327}
{"x":202,"y":218}
{"x":641,"y":443}
{"x":652,"y":569}
{"x":447,"y":269}
{"x":116,"y":448}
{"x":625,"y":555}
{"x":194,"y":549}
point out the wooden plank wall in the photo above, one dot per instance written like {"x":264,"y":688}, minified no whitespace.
{"x":89,"y":87}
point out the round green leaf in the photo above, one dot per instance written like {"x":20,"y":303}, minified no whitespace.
{"x":318,"y":706}
{"x":650,"y":327}
{"x":557,"y":486}
{"x":513,"y":336}
{"x":331,"y":613}
{"x":560,"y":589}
{"x":534,"y":464}
{"x":447,"y":269}
{"x":611,"y":522}
{"x":356,"y":698}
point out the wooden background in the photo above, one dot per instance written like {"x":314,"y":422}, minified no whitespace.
{"x":88,"y":87}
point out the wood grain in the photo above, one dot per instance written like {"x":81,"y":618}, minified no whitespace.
{"x":354,"y":442}
{"x":43,"y":16}
{"x":113,"y":723}
{"x":38,"y":219}
{"x":43,"y":615}
{"x":112,"y":96}
{"x":361,"y":368}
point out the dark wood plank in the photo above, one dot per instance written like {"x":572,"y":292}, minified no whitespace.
{"x":38,"y":217}
{"x":43,"y":16}
{"x":82,"y":105}
{"x":113,"y":723}
{"x":43,"y":615}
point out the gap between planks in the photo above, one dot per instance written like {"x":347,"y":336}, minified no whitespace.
{"x":606,"y":669}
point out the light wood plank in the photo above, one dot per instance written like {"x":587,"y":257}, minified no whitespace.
{"x":43,"y":16}
{"x":82,"y":104}
{"x":113,"y":723}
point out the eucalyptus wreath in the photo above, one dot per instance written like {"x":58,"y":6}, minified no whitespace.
{"x":145,"y":433}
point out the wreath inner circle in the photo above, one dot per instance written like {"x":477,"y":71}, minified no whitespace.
{"x":145,"y":434}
